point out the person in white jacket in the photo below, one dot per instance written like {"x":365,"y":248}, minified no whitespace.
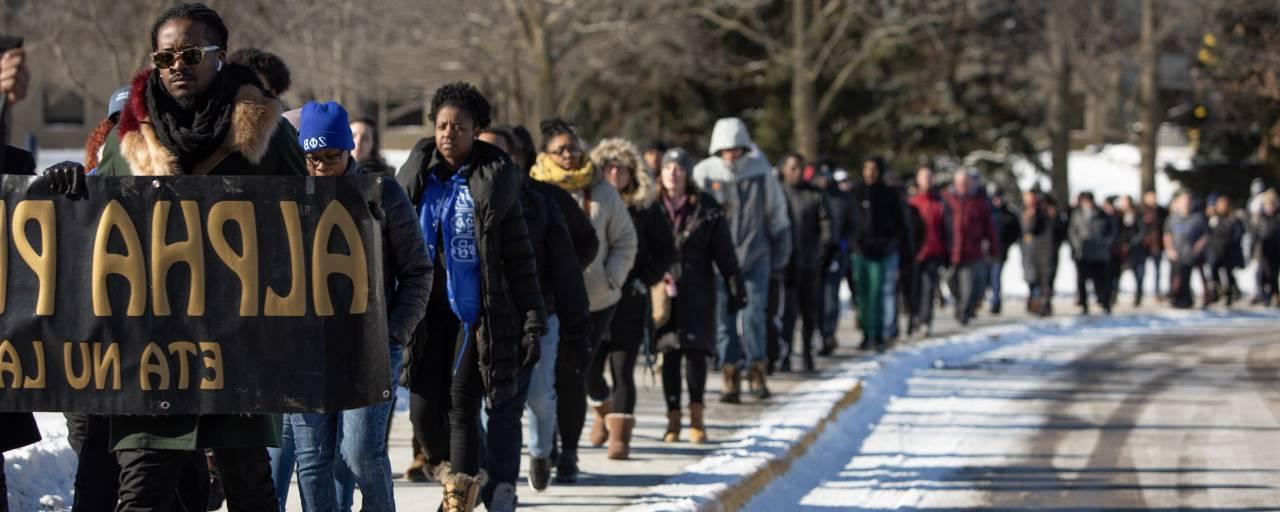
{"x":739,"y":178}
{"x":562,"y":163}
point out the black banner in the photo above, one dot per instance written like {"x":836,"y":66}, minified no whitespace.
{"x":192,"y":295}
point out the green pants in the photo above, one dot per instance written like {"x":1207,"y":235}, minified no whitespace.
{"x":870,"y":274}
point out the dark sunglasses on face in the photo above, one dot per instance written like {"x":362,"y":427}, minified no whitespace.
{"x":190,"y":56}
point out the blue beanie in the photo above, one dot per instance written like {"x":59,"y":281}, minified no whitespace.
{"x":324,"y":126}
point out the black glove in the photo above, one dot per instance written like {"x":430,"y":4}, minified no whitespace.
{"x":66,"y":178}
{"x":531,"y":347}
{"x":406,"y":366}
{"x":737,"y":292}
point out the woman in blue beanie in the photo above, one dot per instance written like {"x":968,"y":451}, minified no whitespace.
{"x":355,"y":440}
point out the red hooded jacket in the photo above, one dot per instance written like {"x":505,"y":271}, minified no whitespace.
{"x":933,"y":214}
{"x":971,"y":225}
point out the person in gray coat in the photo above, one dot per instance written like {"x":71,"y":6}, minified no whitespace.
{"x":739,"y":179}
{"x":1091,"y":234}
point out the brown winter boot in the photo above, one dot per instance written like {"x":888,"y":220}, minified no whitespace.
{"x":732,"y":392}
{"x":461,"y":491}
{"x":673,"y":427}
{"x":620,"y":426}
{"x":697,"y":430}
{"x":757,"y":374}
{"x":417,"y":470}
{"x":599,"y":430}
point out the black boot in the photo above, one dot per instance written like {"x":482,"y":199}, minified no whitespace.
{"x":829,"y":345}
{"x":567,"y":468}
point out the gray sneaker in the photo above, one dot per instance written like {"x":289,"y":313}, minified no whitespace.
{"x":504,"y":498}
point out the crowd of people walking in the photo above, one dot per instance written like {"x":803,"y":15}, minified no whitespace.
{"x":527,"y":278}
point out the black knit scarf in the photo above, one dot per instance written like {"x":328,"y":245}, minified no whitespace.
{"x":195,"y":132}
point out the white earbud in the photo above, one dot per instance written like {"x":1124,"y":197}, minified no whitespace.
{"x":219,"y":64}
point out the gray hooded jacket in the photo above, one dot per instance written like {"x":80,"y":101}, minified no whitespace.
{"x":752,"y":198}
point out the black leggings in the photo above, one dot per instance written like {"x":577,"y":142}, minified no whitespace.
{"x":446,"y":397}
{"x":571,"y":389}
{"x":622,"y":369}
{"x":695,"y":375}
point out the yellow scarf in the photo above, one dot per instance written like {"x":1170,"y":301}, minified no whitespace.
{"x":572,"y":180}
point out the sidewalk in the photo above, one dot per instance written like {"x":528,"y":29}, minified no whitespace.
{"x":609,"y":485}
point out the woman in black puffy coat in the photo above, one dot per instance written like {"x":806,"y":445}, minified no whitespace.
{"x":686,"y":303}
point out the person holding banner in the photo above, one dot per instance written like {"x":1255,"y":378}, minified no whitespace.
{"x":194,"y":115}
{"x":358,"y":436}
{"x":485,"y":316}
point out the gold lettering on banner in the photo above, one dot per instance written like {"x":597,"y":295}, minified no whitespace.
{"x":36,"y":382}
{"x":132,"y":265}
{"x":165,"y":255}
{"x":44,"y":264}
{"x":4,"y":255}
{"x":77,"y":380}
{"x":183,"y":349}
{"x":295,"y":304}
{"x":324,"y":263}
{"x":153,"y":363}
{"x":104,"y":364}
{"x":245,"y":264}
{"x":10,"y":364}
{"x":212,"y":362}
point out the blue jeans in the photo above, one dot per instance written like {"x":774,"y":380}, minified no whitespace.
{"x":283,"y":460}
{"x":832,"y":276}
{"x":995,"y":270}
{"x":890,"y":295}
{"x":542,"y":394}
{"x":748,"y":345}
{"x":354,"y":440}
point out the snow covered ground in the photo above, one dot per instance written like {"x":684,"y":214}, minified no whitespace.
{"x":40,"y":476}
{"x":935,"y":431}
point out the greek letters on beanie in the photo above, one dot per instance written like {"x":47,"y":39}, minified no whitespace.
{"x":324,"y":126}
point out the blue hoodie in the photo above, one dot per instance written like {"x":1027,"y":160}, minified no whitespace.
{"x":449,"y":210}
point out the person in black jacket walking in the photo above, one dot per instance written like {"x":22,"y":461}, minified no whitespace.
{"x":685,"y":308}
{"x":566,"y":340}
{"x":837,"y":264}
{"x":621,"y":164}
{"x":811,"y":231}
{"x":486,"y":327}
{"x":1225,"y":253}
{"x":1266,"y":248}
{"x":877,"y":240}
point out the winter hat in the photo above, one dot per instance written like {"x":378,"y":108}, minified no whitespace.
{"x":840,"y":175}
{"x":680,"y":157}
{"x":324,"y":126}
{"x":118,"y":99}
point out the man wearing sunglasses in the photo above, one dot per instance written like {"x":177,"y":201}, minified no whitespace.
{"x":193,"y":115}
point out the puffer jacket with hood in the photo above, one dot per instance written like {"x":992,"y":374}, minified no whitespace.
{"x":607,"y":274}
{"x":751,"y":197}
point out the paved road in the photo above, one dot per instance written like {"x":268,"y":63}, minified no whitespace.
{"x":1186,"y":420}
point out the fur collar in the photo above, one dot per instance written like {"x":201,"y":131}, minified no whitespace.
{"x":621,"y":150}
{"x":253,"y":122}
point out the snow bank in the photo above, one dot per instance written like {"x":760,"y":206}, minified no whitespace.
{"x":702,"y":485}
{"x":40,"y":476}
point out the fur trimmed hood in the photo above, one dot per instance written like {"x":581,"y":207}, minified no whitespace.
{"x":621,"y":150}
{"x":253,"y":122}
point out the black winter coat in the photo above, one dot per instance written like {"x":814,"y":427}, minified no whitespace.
{"x":1008,"y":229}
{"x":512,"y":300}
{"x":407,"y":269}
{"x":1266,"y":242}
{"x":559,"y":274}
{"x":705,"y":246}
{"x":585,"y":242}
{"x":655,"y":252}
{"x":1226,"y":242}
{"x":881,"y":221}
{"x":810,"y":226}
{"x":17,"y":429}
